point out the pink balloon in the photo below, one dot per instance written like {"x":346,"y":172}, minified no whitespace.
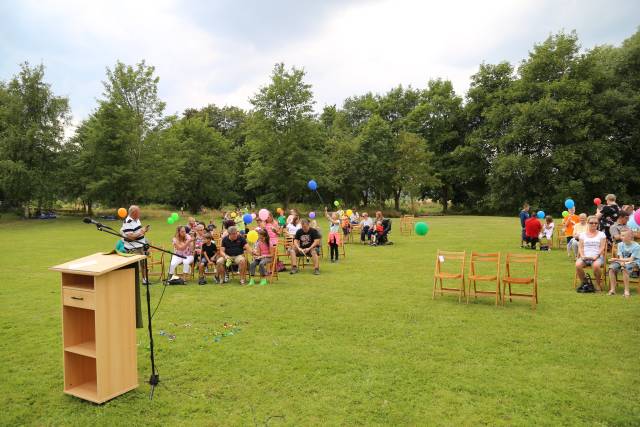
{"x":636,"y":216}
{"x":263,"y":214}
{"x":253,"y":215}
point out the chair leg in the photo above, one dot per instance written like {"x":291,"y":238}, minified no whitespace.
{"x":433,"y":294}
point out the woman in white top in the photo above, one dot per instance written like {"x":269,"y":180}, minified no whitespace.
{"x":294,"y":225}
{"x":591,"y":248}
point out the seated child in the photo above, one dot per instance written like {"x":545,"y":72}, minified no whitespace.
{"x":379,"y":229}
{"x":627,"y":261}
{"x":263,"y":253}
{"x":547,"y":234}
{"x":208,"y":256}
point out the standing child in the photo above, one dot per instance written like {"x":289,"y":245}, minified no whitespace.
{"x":334,"y":233}
{"x":263,"y":253}
{"x":208,"y":256}
{"x":524,"y":216}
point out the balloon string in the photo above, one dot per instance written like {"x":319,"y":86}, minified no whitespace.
{"x":320,"y":197}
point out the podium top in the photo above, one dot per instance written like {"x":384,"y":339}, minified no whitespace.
{"x":96,"y":264}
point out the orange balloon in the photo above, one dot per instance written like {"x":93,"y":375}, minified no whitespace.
{"x":122,"y":213}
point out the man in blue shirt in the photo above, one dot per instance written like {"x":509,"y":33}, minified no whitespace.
{"x":524,"y":216}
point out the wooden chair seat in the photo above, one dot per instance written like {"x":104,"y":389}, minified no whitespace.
{"x":440,"y":275}
{"x":449,"y":275}
{"x":484,"y":261}
{"x":530,"y":263}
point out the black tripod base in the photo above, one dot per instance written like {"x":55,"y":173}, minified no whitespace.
{"x":154,"y":380}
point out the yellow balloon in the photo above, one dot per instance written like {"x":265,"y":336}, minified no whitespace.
{"x":349,"y":212}
{"x":232,"y":214}
{"x":252,"y":236}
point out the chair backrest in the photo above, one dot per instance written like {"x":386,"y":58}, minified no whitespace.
{"x":522,"y":259}
{"x":492,"y":259}
{"x":443,"y":256}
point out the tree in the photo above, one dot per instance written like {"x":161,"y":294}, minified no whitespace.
{"x":284,"y":140}
{"x":32,"y":123}
{"x":376,"y":159}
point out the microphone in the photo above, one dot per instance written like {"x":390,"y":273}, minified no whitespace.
{"x":88,"y":220}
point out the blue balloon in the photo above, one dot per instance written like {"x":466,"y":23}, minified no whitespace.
{"x":247,"y":218}
{"x":313,"y":186}
{"x":541,"y":214}
{"x":569,"y":203}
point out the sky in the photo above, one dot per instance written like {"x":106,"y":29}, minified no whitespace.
{"x":221,"y":52}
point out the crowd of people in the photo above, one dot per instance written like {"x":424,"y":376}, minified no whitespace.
{"x":605,"y":241}
{"x":230,"y":248}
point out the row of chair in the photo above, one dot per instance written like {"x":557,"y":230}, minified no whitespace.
{"x":520,"y":270}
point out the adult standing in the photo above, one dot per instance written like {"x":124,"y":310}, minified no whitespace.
{"x":133,"y":234}
{"x":305,"y":242}
{"x":524,"y":216}
{"x":591,"y":249}
{"x":608,"y":215}
{"x":232,"y":251}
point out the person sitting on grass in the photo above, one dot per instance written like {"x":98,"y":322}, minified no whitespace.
{"x":547,"y":233}
{"x":334,"y":233}
{"x":182,"y":245}
{"x":591,"y":250}
{"x":532,"y":229}
{"x":232,"y":251}
{"x":578,"y":229}
{"x":627,"y":261}
{"x":305,"y":242}
{"x":263,"y":253}
{"x":366,"y":227}
{"x":209,"y":252}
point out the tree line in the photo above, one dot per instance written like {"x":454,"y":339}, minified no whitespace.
{"x":562,"y":123}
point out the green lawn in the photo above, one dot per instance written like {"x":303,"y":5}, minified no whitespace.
{"x":363,"y":343}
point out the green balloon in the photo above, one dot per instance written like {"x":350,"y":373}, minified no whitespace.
{"x":336,"y":203}
{"x":175,"y":216}
{"x":421,"y":228}
{"x":565,"y":214}
{"x":171,"y":220}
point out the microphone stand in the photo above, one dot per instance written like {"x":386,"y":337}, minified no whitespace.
{"x":154,"y":379}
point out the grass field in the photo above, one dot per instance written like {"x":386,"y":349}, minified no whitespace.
{"x":363,"y":343}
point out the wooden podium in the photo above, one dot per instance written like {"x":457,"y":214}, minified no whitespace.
{"x":99,"y":326}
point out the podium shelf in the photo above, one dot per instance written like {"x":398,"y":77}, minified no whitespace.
{"x":87,"y":348}
{"x":87,"y":391}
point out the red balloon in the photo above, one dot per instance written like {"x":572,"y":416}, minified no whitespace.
{"x":597,"y":201}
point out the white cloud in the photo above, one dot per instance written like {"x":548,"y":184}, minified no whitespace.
{"x":358,"y":47}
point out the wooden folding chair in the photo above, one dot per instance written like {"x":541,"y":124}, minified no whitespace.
{"x":445,"y":257}
{"x":482,"y":261}
{"x":512,"y":277}
{"x":155,"y":259}
{"x":407,"y":223}
{"x":632,"y":280}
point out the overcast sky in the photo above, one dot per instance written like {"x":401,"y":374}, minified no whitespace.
{"x":222,"y":51}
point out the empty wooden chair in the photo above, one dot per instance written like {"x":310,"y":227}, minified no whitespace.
{"x":484,"y":267}
{"x":521,"y":270}
{"x":455,"y":273}
{"x":155,"y":263}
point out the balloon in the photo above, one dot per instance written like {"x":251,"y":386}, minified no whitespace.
{"x":253,"y":215}
{"x":312,"y":215}
{"x":263,"y":214}
{"x":597,"y":201}
{"x":247,"y":218}
{"x":280,"y":211}
{"x":232,"y":214}
{"x":313,"y":186}
{"x":569,"y":203}
{"x":421,"y":228}
{"x":122,"y":213}
{"x":282,"y":220}
{"x":171,"y":220}
{"x":252,"y":236}
{"x":541,"y":214}
{"x":633,"y":222}
{"x":336,"y":203}
{"x":175,"y":215}
{"x":349,"y":212}
{"x":565,"y":214}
